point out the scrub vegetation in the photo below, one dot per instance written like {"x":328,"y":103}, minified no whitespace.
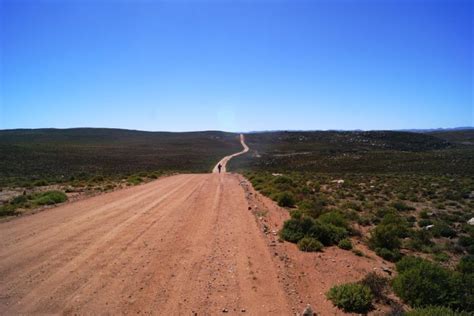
{"x":407,"y":196}
{"x":31,"y":201}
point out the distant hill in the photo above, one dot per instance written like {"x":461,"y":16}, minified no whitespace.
{"x":62,"y":153}
{"x":463,"y":136}
{"x":347,"y":140}
{"x":355,"y":151}
{"x":429,"y":130}
{"x":55,"y":154}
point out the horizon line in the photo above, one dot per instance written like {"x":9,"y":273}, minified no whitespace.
{"x":457,"y":128}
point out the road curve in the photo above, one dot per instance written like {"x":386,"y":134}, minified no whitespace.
{"x":223,"y":162}
{"x":176,"y":246}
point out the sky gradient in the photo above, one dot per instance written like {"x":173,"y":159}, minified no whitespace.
{"x":236,"y":65}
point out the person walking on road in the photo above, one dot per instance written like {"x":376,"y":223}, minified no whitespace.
{"x":219,"y":167}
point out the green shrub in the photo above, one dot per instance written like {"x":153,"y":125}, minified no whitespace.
{"x":134,"y":180}
{"x":21,"y":199}
{"x":443,"y":230}
{"x":328,"y":234}
{"x":388,"y":254}
{"x":334,"y":218}
{"x":283,"y":183}
{"x":385,"y":236}
{"x":345,"y":244}
{"x":408,"y":262}
{"x":466,"y":264}
{"x":401,"y":206}
{"x":7,"y":210}
{"x":292,"y":230}
{"x":424,"y":214}
{"x":40,"y":183}
{"x":377,"y":284}
{"x":314,"y":207}
{"x":49,"y":198}
{"x":97,"y":179}
{"x":398,"y":222}
{"x":283,"y":180}
{"x":424,"y":222}
{"x":286,"y":199}
{"x":357,"y":252}
{"x":420,"y":239}
{"x":466,"y":241}
{"x":296,"y":214}
{"x":364,"y":221}
{"x":422,"y":283}
{"x":441,"y":257}
{"x":295,"y":229}
{"x":351,"y":297}
{"x":309,"y":244}
{"x":435,"y":311}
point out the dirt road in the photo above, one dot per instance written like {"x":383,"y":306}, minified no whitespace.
{"x":223,"y":161}
{"x":176,"y":246}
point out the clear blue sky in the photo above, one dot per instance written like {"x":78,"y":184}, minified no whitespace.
{"x":236,"y":65}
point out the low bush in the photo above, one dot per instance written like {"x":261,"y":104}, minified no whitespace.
{"x":435,"y":311}
{"x":314,"y":206}
{"x":443,"y":230}
{"x":392,"y":255}
{"x":441,"y":257}
{"x":408,"y":263}
{"x":310,"y":244}
{"x":295,"y":229}
{"x":420,"y":240}
{"x":399,"y":223}
{"x":18,"y":200}
{"x":296,"y":214}
{"x":283,"y":180}
{"x":292,"y":230}
{"x":345,"y":244}
{"x":424,"y":222}
{"x":351,"y":297}
{"x":327,"y":234}
{"x":7,"y":210}
{"x":334,"y":218}
{"x":377,"y":284}
{"x":466,"y":264}
{"x":286,"y":199}
{"x":467,"y":242}
{"x":283,"y":183}
{"x":49,"y":198}
{"x":422,"y":283}
{"x":424,"y":214}
{"x":385,"y":236}
{"x":40,"y":183}
{"x":364,"y":221}
{"x":401,"y":206}
{"x":134,"y":180}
